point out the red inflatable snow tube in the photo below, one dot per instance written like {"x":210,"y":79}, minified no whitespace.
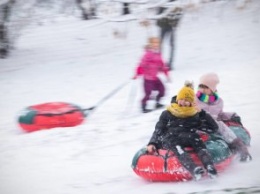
{"x":164,"y":165}
{"x":50,"y":115}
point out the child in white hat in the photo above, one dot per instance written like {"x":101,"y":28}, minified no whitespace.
{"x":209,"y":100}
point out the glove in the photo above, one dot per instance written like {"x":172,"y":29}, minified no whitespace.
{"x":151,"y":149}
{"x":236,"y":119}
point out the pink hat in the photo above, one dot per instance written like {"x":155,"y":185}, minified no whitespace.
{"x":211,"y":80}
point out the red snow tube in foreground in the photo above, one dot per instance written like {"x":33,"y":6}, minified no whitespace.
{"x":50,"y":115}
{"x":165,"y":166}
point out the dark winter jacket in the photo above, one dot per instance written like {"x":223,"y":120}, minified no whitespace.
{"x":169,"y":124}
{"x":171,"y":19}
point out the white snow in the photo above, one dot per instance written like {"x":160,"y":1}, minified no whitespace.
{"x":76,"y":61}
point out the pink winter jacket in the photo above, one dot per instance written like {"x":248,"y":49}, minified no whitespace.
{"x":151,"y":64}
{"x":215,"y":109}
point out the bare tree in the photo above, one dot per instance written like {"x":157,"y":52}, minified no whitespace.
{"x":126,"y":9}
{"x":87,"y":8}
{"x":5,"y":11}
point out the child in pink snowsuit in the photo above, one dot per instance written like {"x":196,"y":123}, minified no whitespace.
{"x":150,"y":66}
{"x":208,"y":100}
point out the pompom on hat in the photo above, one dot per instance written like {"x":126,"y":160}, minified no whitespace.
{"x":187,"y":92}
{"x":211,"y":80}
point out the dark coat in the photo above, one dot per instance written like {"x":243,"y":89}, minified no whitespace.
{"x":171,"y":130}
{"x":172,"y":19}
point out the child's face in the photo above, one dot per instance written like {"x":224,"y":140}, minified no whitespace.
{"x":205,"y":89}
{"x":155,"y":44}
{"x":183,"y":102}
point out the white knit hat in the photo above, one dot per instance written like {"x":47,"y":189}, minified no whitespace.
{"x":211,"y":80}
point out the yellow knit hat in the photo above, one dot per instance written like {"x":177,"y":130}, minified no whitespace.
{"x":186,"y":93}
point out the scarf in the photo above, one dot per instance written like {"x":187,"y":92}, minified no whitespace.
{"x":207,"y":98}
{"x":181,"y":111}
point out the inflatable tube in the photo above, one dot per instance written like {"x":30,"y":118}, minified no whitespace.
{"x":240,"y":131}
{"x":50,"y":115}
{"x":164,"y":166}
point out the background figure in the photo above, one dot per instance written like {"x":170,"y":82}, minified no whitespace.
{"x":168,"y":26}
{"x":150,"y":66}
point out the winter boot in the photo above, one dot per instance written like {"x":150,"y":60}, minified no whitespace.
{"x":198,"y":172}
{"x":144,"y":110}
{"x":206,"y":160}
{"x":158,"y":105}
{"x":238,"y":146}
{"x":212,"y":172}
{"x":188,"y":163}
{"x":245,"y":157}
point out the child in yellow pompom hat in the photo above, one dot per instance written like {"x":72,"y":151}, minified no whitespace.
{"x":176,"y":129}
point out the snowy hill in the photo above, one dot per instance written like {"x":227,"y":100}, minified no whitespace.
{"x":76,"y":61}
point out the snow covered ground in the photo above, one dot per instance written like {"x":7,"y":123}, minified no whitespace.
{"x":66,"y":59}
